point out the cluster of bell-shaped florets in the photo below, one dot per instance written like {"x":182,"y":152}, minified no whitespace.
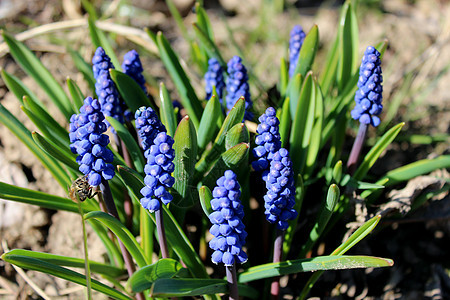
{"x":90,"y":143}
{"x":368,"y":97}
{"x":228,"y":230}
{"x":104,"y":86}
{"x":280,"y":197}
{"x":148,"y":126}
{"x":214,"y":78}
{"x":268,"y":140}
{"x":295,"y":44}
{"x":237,"y":86}
{"x":132,"y":66}
{"x":158,"y":178}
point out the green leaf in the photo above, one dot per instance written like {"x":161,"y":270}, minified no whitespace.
{"x":143,"y":278}
{"x":66,"y":261}
{"x":325,"y":212}
{"x":83,"y":67}
{"x":303,"y":124}
{"x":99,"y":39}
{"x":23,"y":195}
{"x":230,"y":160}
{"x":122,"y":233}
{"x":337,"y":172}
{"x":131,"y":92}
{"x":236,"y":115}
{"x":18,"y":88}
{"x":167,"y":112}
{"x":348,"y":45}
{"x":131,"y":144}
{"x":174,"y":233}
{"x":285,"y":124}
{"x":312,"y":264}
{"x":185,"y":147}
{"x":187,"y":94}
{"x":39,"y":265}
{"x":35,"y":69}
{"x":308,"y":52}
{"x":290,"y":231}
{"x":76,"y":94}
{"x":376,"y":151}
{"x":17,"y":127}
{"x":205,"y":199}
{"x":328,"y":74}
{"x":208,"y":124}
{"x":55,"y":151}
{"x":208,"y":45}
{"x":203,"y":21}
{"x":293,"y":93}
{"x":284,"y":77}
{"x":196,"y":287}
{"x":236,"y":135}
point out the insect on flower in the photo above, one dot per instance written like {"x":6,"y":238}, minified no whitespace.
{"x":82,"y":188}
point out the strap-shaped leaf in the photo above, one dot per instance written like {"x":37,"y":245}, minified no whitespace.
{"x":187,"y":94}
{"x":167,"y":112}
{"x":176,"y":238}
{"x":83,"y":67}
{"x":205,"y":199}
{"x":185,"y":147}
{"x":284,"y":77}
{"x":16,"y":127}
{"x":236,"y":135}
{"x":122,"y":233}
{"x":285,"y":124}
{"x":328,"y":74}
{"x":293,"y":93}
{"x":376,"y":151}
{"x":39,"y":265}
{"x":173,"y":287}
{"x":131,"y":144}
{"x":34,"y":68}
{"x":143,"y":278}
{"x":208,"y":124}
{"x":313,"y":264}
{"x":67,"y":261}
{"x":207,"y":44}
{"x":18,"y":88}
{"x":290,"y":231}
{"x":99,"y":39}
{"x":76,"y":94}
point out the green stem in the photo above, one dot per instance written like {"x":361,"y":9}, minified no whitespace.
{"x":86,"y":256}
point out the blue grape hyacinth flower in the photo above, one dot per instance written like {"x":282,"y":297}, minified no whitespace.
{"x":214,"y":77}
{"x":132,"y":66}
{"x":90,"y":143}
{"x":228,"y":229}
{"x":101,"y":62}
{"x":368,"y":97}
{"x":148,"y":126}
{"x":280,"y":197}
{"x":237,"y":86}
{"x":295,"y":44}
{"x":158,"y":171}
{"x":268,"y":140}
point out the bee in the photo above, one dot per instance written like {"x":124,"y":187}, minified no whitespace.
{"x":82,"y":188}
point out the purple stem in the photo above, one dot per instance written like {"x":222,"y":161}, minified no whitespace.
{"x":232,"y":282}
{"x":277,"y":253}
{"x":127,"y":204}
{"x":161,"y":233}
{"x":352,"y":162}
{"x":112,"y":210}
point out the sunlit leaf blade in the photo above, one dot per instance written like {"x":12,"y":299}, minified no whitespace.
{"x":187,"y":94}
{"x":207,"y":44}
{"x":122,"y":233}
{"x":285,"y":124}
{"x":203,"y":21}
{"x":75,"y":93}
{"x":312,"y":264}
{"x":376,"y":151}
{"x":34,"y":67}
{"x":236,"y":135}
{"x":66,"y":261}
{"x":290,"y":231}
{"x":39,"y":265}
{"x":174,"y":233}
{"x":131,"y":144}
{"x":99,"y":39}
{"x":130,"y":91}
{"x":205,"y":199}
{"x":293,"y":93}
{"x":196,"y":287}
{"x":55,"y":151}
{"x":236,"y":115}
{"x":23,"y":195}
{"x":16,"y":127}
{"x":167,"y":112}
{"x":328,"y":74}
{"x":348,"y":45}
{"x":84,"y":67}
{"x":143,"y":278}
{"x":185,"y":147}
{"x":308,"y":52}
{"x":284,"y":77}
{"x":18,"y":88}
{"x":112,"y":249}
{"x":208,"y":124}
